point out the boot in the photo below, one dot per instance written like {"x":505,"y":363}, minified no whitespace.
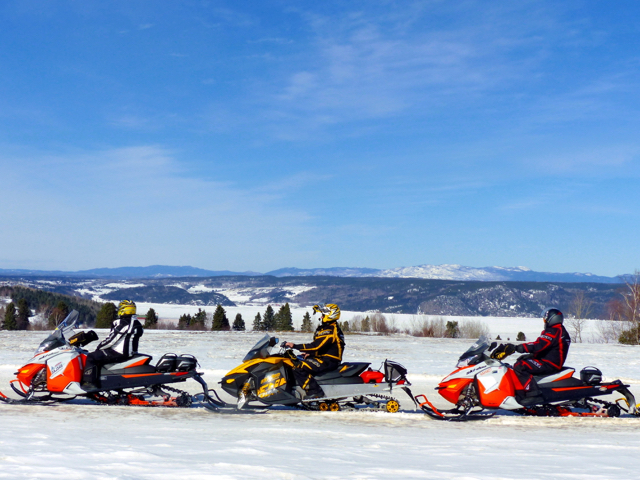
{"x":313,"y":393}
{"x":89,"y":381}
{"x":312,"y":389}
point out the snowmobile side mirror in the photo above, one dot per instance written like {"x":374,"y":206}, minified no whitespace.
{"x":273,"y":341}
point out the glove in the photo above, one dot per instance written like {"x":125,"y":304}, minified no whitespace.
{"x":503,"y":351}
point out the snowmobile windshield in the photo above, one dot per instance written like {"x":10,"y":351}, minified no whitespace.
{"x":58,"y":336}
{"x":260,"y":349}
{"x":474,"y":355}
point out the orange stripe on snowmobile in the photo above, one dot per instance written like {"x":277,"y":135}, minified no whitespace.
{"x":142,"y":361}
{"x":570,"y":388}
{"x":569,"y":374}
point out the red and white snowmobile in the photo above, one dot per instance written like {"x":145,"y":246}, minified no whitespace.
{"x":54,"y":374}
{"x":482,"y":385}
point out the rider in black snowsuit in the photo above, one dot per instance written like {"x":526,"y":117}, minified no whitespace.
{"x":120,"y":344}
{"x":323,"y":354}
{"x":546,"y":355}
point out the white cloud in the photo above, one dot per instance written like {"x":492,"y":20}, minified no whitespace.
{"x":138,"y":206}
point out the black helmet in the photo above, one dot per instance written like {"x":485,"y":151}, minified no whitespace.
{"x":552,"y":316}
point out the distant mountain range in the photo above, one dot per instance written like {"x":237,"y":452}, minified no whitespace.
{"x":326,"y":272}
{"x":153,"y":271}
{"x":437,"y":272}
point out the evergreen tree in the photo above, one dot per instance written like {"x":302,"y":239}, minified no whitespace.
{"x":366,"y":324}
{"x":10,"y":317}
{"x":453,"y":331}
{"x":22,"y":319}
{"x":306,"y":323}
{"x":184,"y":322}
{"x":107,"y":314}
{"x":58,"y":314}
{"x":198,"y":320}
{"x":220,"y":320}
{"x":268,"y":322}
{"x":345,"y":327}
{"x":152,"y":319}
{"x":283,"y":322}
{"x":257,"y":323}
{"x":238,"y":324}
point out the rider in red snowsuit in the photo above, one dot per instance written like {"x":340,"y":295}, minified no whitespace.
{"x":546,"y":355}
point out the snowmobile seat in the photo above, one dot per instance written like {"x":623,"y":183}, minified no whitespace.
{"x":564,"y":374}
{"x":138,"y":363}
{"x":352,"y":369}
{"x":347,"y":372}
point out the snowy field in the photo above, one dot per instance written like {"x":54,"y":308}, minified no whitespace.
{"x":86,"y":441}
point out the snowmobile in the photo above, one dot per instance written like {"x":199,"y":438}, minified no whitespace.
{"x":266,"y":376}
{"x":54,"y":374}
{"x":481,"y":385}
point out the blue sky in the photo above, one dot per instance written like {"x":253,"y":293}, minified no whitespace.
{"x":263,"y":134}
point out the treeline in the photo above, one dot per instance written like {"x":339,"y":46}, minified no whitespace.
{"x":52,"y":307}
{"x":282,"y":321}
{"x":270,"y":320}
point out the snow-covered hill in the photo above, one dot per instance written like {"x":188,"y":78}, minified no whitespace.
{"x":449,"y":272}
{"x":490,"y":274}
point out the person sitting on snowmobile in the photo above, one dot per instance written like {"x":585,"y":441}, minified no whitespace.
{"x":546,"y":355}
{"x":323,"y":354}
{"x":120,"y":344}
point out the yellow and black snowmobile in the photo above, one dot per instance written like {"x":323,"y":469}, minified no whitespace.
{"x":265,"y":376}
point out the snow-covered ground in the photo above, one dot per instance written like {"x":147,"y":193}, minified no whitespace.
{"x":85,"y":441}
